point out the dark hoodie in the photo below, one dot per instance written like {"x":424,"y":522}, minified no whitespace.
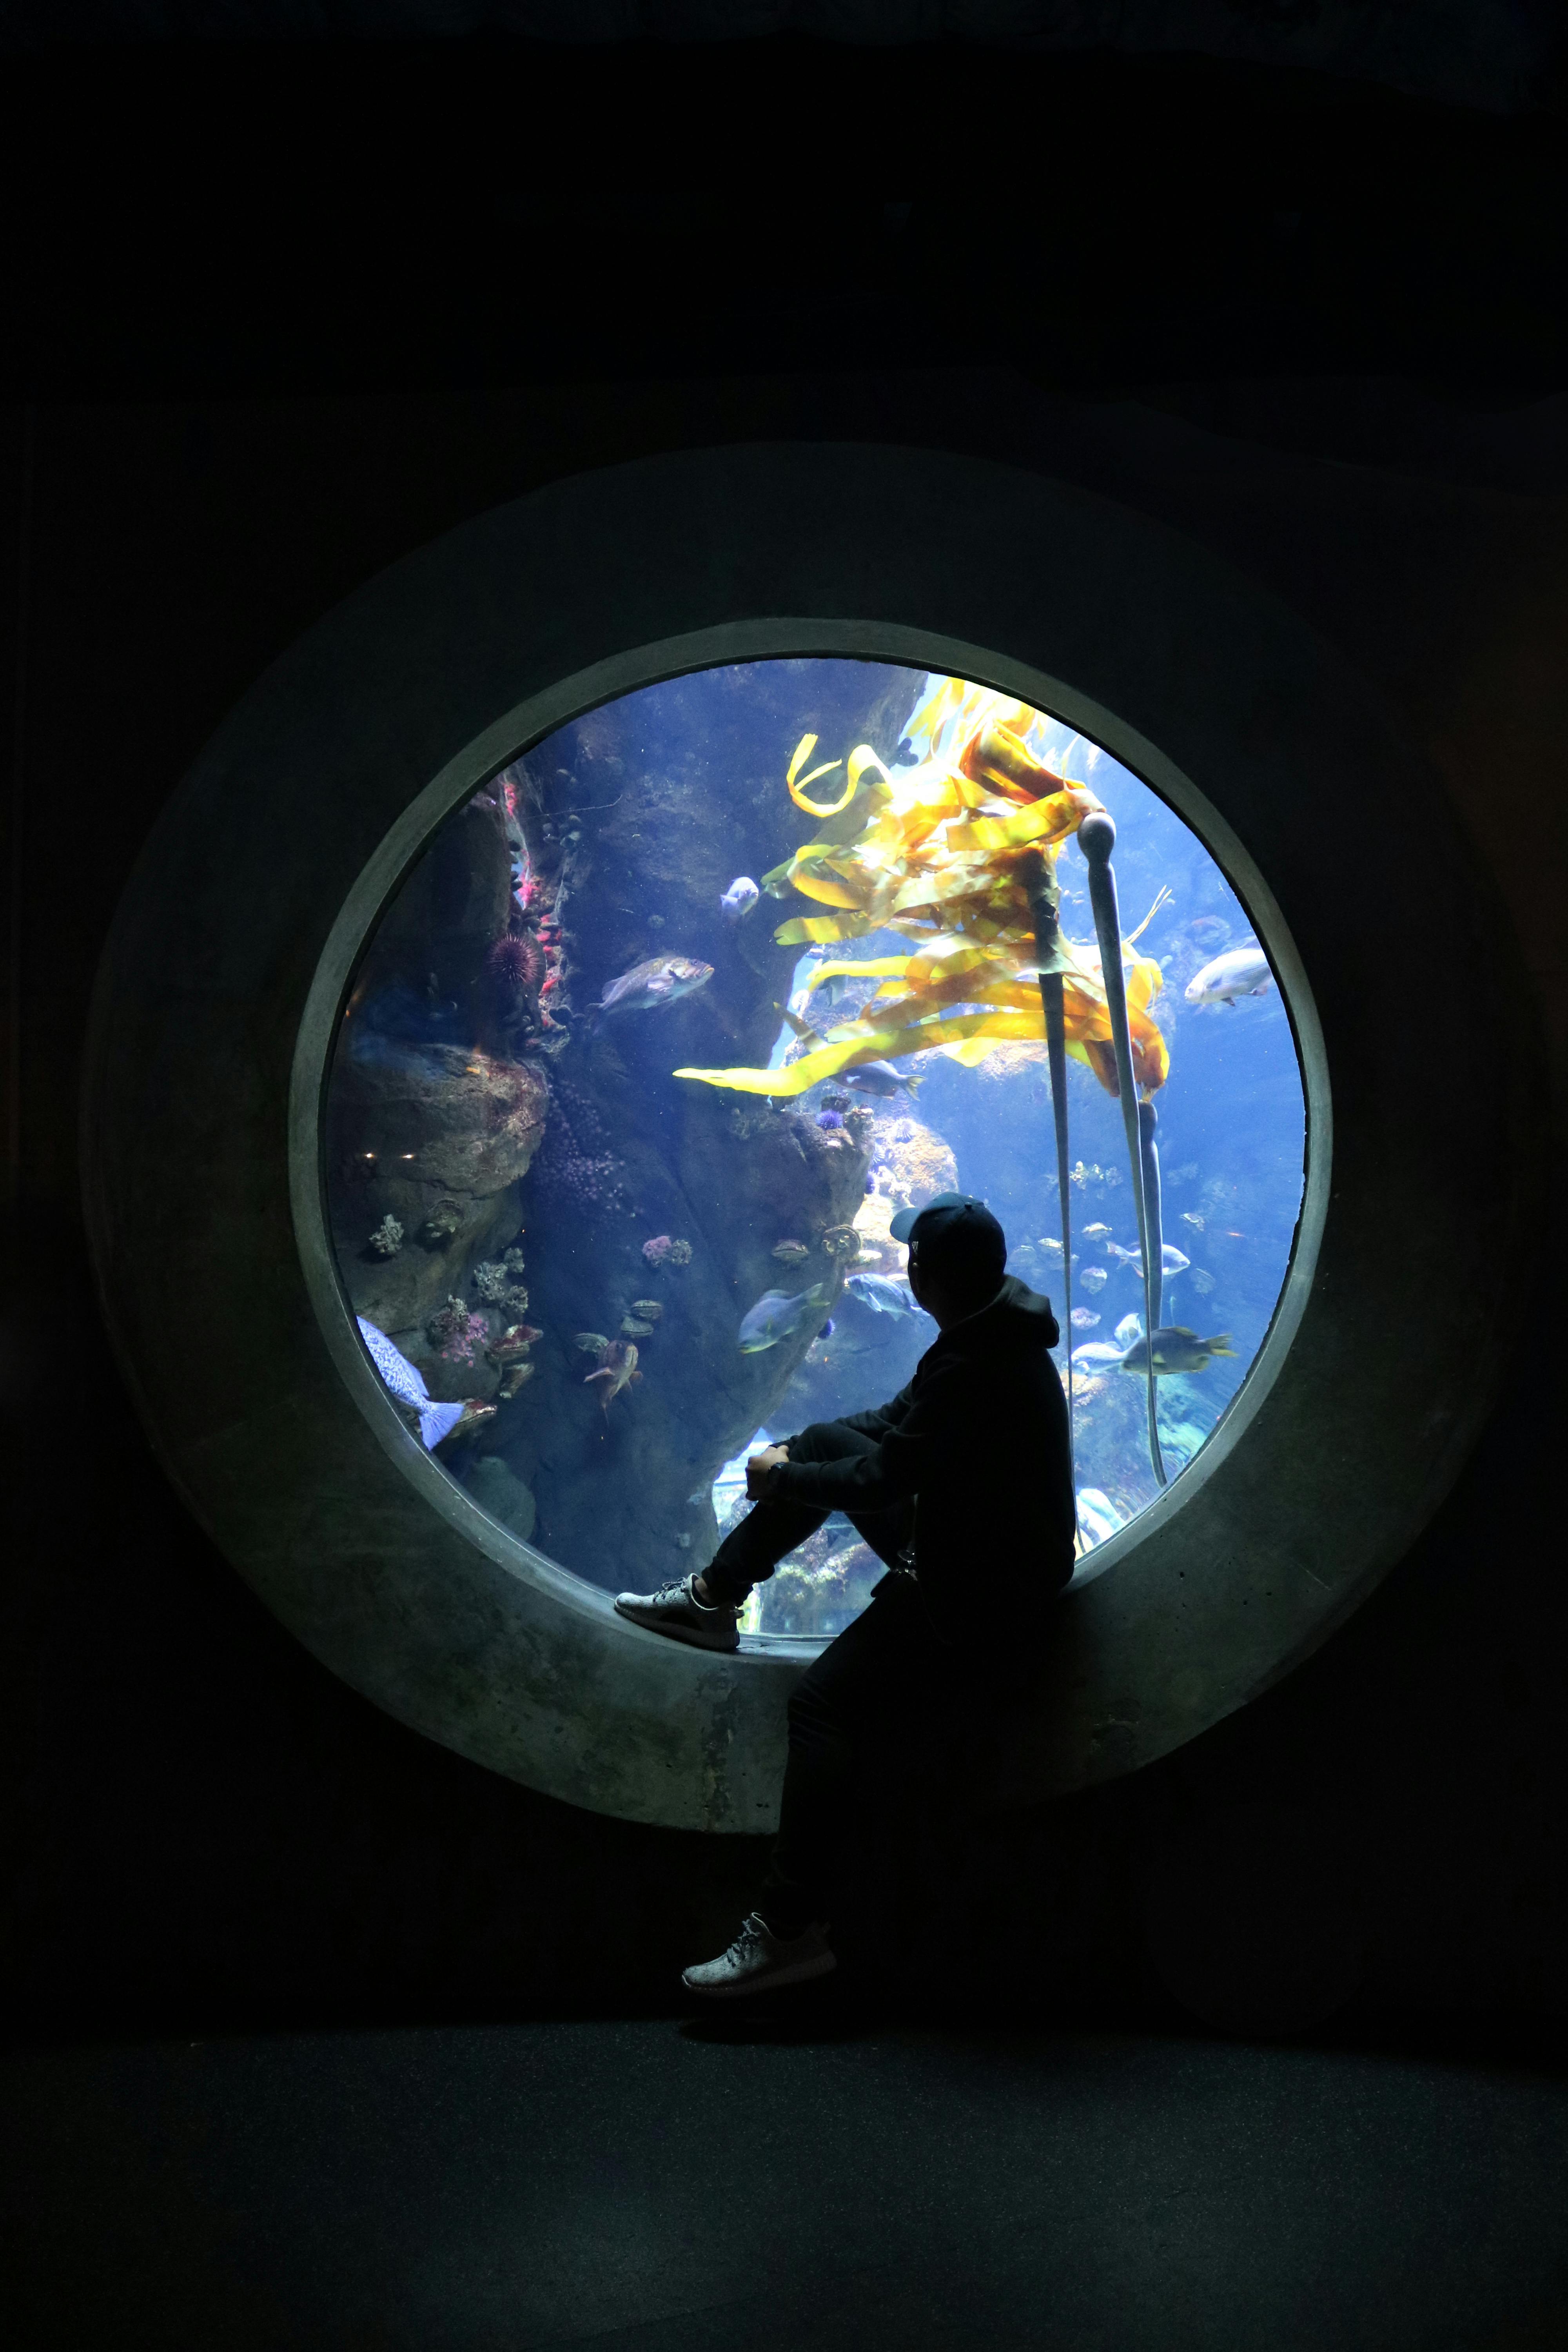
{"x":979,"y":1438}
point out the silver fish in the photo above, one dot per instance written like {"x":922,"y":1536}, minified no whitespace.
{"x":1127,"y":1331}
{"x":1096,"y":1232}
{"x":1098,"y":1351}
{"x":776,"y":1316}
{"x":1241,"y":972}
{"x":877,"y":1078}
{"x":876,"y":1291}
{"x":1174,"y":1348}
{"x":1191,"y":1217}
{"x":739,"y":900}
{"x":660,"y":981}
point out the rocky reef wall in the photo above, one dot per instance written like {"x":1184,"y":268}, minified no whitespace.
{"x":636,"y":820}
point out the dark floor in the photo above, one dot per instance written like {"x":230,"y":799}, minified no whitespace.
{"x":652,"y":2186}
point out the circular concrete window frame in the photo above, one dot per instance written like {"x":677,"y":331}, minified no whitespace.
{"x":216,"y":1006}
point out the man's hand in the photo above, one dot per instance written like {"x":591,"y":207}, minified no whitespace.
{"x":757,"y":1469}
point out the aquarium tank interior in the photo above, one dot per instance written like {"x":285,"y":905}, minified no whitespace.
{"x":671,"y":1017}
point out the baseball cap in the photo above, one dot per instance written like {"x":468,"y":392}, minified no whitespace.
{"x":953,"y":1230}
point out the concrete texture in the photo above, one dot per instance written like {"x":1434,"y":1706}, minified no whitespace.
{"x":764,"y":2186}
{"x":207,"y":1828}
{"x":336,"y":766}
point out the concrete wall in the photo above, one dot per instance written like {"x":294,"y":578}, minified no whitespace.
{"x":206,"y":1827}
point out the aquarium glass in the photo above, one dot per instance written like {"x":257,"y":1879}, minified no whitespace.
{"x":612,"y":1143}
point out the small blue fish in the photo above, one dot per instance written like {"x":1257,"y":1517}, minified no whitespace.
{"x":738,"y":900}
{"x":884,"y":1297}
{"x":826,"y":1330}
{"x":778,"y":1315}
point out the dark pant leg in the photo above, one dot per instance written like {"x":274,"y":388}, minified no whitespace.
{"x":749,"y":1553}
{"x":880,"y":1682}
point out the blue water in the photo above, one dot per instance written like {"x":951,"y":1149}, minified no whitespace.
{"x":1231,"y":1136}
{"x":609,"y":844}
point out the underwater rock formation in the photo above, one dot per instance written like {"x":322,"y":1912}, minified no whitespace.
{"x":918,"y":1162}
{"x":436,"y":1138}
{"x":637,"y":1172}
{"x":497,"y":1489}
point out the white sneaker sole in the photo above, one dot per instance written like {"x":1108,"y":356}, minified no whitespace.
{"x":693,"y":1635}
{"x":820,"y":1964}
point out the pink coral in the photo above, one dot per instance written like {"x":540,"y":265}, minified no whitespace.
{"x":456,"y":1332}
{"x":663,"y":1251}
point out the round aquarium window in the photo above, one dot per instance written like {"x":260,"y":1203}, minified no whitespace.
{"x":665,"y":1022}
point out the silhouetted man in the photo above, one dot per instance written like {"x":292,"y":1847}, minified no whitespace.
{"x":962,"y":1484}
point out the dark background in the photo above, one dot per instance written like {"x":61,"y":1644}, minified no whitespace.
{"x":276,"y":313}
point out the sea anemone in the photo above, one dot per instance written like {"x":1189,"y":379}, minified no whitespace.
{"x":830,"y":1119}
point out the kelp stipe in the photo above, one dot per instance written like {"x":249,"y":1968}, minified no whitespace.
{"x":1148,"y":1125}
{"x":1097,"y":839}
{"x":1038,"y":871}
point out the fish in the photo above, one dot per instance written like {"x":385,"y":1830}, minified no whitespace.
{"x":737,"y":901}
{"x":1172,"y":1259}
{"x":471,"y":1419}
{"x":1097,"y":1352}
{"x":1095,"y":1232}
{"x":406,"y":1383}
{"x":659,"y":981}
{"x":882,"y":1296}
{"x":618,"y":1372}
{"x":1241,"y":972}
{"x":879,"y":1079}
{"x":1084,"y":1318}
{"x":1127,"y":1331}
{"x":789,"y":1253}
{"x":1093,"y":1278}
{"x":1174,"y":1348}
{"x":826,"y":1330}
{"x":776,"y":1316}
{"x":1191,"y":1217}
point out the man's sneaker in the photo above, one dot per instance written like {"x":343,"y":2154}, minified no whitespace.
{"x":675,"y":1610}
{"x":758,"y":1961}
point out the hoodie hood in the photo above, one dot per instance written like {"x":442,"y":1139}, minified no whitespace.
{"x":1016,"y":1317}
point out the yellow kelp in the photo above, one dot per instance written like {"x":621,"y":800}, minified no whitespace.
{"x":935,"y":852}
